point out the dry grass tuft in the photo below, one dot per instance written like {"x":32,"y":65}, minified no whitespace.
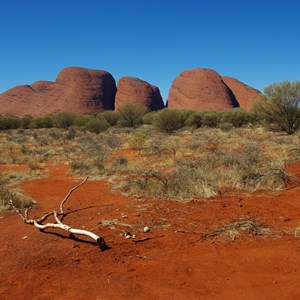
{"x":243,"y":224}
{"x":19,"y":199}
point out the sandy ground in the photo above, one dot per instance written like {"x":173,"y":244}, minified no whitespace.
{"x":175,"y":263}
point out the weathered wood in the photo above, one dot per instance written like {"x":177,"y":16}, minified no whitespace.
{"x":58,"y":223}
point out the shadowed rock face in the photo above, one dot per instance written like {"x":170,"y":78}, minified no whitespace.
{"x":200,"y":89}
{"x":137,"y":91}
{"x":243,"y":93}
{"x":77,"y":90}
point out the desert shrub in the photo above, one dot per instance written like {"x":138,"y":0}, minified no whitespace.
{"x":64,"y":119}
{"x":149,"y":118}
{"x":210,"y":118}
{"x":25,"y":121}
{"x":71,"y":133}
{"x":169,"y":120}
{"x":131,"y":115}
{"x":81,"y":121}
{"x":226,"y":126}
{"x":80,"y":167}
{"x":237,"y":117}
{"x":36,"y":123}
{"x":97,"y":125}
{"x":55,"y":134}
{"x":111,"y":117}
{"x":113,"y":142}
{"x":120,"y":162}
{"x":194,"y":120}
{"x":180,"y":183}
{"x":32,"y":163}
{"x":9,"y":122}
{"x":19,"y":199}
{"x":139,"y":138}
{"x":48,"y":121}
{"x":279,"y":107}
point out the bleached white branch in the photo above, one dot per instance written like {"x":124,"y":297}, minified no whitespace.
{"x":58,"y":223}
{"x":61,"y":208}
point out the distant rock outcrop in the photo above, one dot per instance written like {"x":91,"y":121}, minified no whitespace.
{"x":200,"y":89}
{"x":76,"y":90}
{"x":135,"y":90}
{"x":243,"y":93}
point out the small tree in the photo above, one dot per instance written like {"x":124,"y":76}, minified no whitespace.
{"x":280,"y":106}
{"x":131,"y":114}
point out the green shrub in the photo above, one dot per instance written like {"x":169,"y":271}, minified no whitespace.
{"x":237,"y":117}
{"x":64,"y":119}
{"x":111,"y":117}
{"x":169,"y":120}
{"x":36,"y":123}
{"x":97,"y":125}
{"x":149,"y":118}
{"x":194,"y":120}
{"x":210,"y":118}
{"x":81,"y":121}
{"x":131,"y":115}
{"x":9,"y":122}
{"x":25,"y":121}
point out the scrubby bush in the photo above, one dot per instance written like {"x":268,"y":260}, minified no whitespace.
{"x":97,"y":125}
{"x":131,"y":115}
{"x":80,"y":121}
{"x":36,"y":123}
{"x":210,"y":118}
{"x":169,"y":120}
{"x":280,"y":106}
{"x":9,"y":122}
{"x":149,"y":117}
{"x":64,"y":119}
{"x":25,"y":121}
{"x":237,"y":117}
{"x":111,"y":117}
{"x":226,"y":126}
{"x":80,"y":167}
{"x":194,"y":120}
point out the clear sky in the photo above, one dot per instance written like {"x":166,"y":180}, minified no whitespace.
{"x":255,"y":41}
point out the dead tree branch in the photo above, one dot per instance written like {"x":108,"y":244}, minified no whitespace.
{"x":58,"y":223}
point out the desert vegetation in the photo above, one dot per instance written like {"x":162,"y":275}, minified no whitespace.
{"x":178,"y":155}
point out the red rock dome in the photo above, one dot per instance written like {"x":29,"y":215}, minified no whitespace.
{"x":243,"y":93}
{"x":135,"y":90}
{"x":76,"y":90}
{"x":200,"y":89}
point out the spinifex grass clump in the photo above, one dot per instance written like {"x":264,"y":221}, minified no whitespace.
{"x":19,"y":199}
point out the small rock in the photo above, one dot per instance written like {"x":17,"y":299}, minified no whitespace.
{"x":146,"y":229}
{"x":124,"y":216}
{"x":25,"y":237}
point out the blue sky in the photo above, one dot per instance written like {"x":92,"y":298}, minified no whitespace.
{"x":255,"y":41}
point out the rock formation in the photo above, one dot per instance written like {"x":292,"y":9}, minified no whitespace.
{"x":77,"y":90}
{"x":243,"y":93}
{"x":200,"y":89}
{"x":135,"y":90}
